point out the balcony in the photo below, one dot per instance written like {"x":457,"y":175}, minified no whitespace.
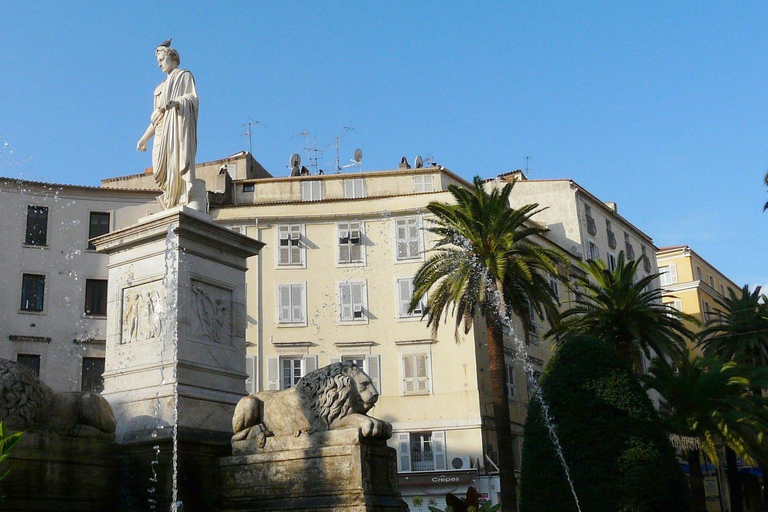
{"x":646,"y":263}
{"x":630,"y":251}
{"x":591,"y":226}
{"x":611,"y":239}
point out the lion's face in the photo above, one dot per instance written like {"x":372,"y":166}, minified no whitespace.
{"x":368,"y":395}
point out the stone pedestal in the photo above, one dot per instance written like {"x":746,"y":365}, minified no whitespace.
{"x":175,"y":354}
{"x":337,"y":470}
{"x":55,"y":473}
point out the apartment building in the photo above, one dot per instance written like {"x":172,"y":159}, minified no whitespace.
{"x":691,"y":284}
{"x":53,"y":293}
{"x":334,"y":283}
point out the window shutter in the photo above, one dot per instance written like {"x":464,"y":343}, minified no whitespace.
{"x":408,"y":374}
{"x":413,"y":238}
{"x":438,"y":447}
{"x":284,"y":292}
{"x":357,"y":294}
{"x":273,"y":373}
{"x":345,"y":301}
{"x":422,"y":377}
{"x":373,"y":369}
{"x":308,"y":364}
{"x":404,"y":451}
{"x":250,"y":369}
{"x":404,"y":287}
{"x":673,"y":273}
{"x":297,"y":302}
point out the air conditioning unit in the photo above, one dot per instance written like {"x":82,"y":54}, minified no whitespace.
{"x":463,"y":462}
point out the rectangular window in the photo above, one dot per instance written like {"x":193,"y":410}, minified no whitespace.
{"x":290,"y":245}
{"x":698,"y":273}
{"x":668,"y":274}
{"x":251,"y":371}
{"x":351,"y":302}
{"x":591,"y":226}
{"x":92,"y":378}
{"x":95,"y":296}
{"x":354,"y":188}
{"x":249,"y":187}
{"x":30,"y":360}
{"x":554,"y":286}
{"x":37,"y":225}
{"x":290,"y":371}
{"x":408,"y":233}
{"x":350,"y":242}
{"x":611,"y":262}
{"x":533,"y":379}
{"x":423,"y":183}
{"x":291,"y":304}
{"x":722,"y":289}
{"x":97,"y":226}
{"x":32,"y":292}
{"x":405,"y":295}
{"x":311,"y":190}
{"x":421,"y":451}
{"x":611,"y":234}
{"x":629,"y":249}
{"x":511,"y":389}
{"x":675,"y":304}
{"x":711,"y":281}
{"x":533,"y":334}
{"x":593,"y":253}
{"x":285,"y":372}
{"x":415,"y":374}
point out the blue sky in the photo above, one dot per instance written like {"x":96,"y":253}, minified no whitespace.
{"x":659,"y":106}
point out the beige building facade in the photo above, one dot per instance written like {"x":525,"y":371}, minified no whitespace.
{"x":691,"y":284}
{"x":54,"y":286}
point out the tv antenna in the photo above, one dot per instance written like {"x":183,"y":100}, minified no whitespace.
{"x":357,"y":160}
{"x":305,"y":133}
{"x":248,"y":132}
{"x":527,"y":171}
{"x":338,"y":139}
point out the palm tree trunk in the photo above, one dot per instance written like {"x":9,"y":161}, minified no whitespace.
{"x":696,"y":480}
{"x":504,"y":437}
{"x":734,"y":482}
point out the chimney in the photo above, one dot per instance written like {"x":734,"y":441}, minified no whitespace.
{"x":613,"y":206}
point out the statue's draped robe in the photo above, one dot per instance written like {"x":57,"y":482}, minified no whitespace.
{"x":175,"y":145}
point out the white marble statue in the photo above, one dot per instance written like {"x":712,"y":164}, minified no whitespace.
{"x":173,"y":124}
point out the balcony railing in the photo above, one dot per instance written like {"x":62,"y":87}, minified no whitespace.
{"x":611,"y":240}
{"x":646,"y":263}
{"x":591,"y":226}
{"x":629,"y":250}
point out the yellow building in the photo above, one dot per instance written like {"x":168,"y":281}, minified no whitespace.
{"x":691,"y":284}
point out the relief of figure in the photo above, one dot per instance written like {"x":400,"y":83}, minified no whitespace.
{"x":333,"y":397}
{"x":212,"y":314}
{"x":154,"y":314}
{"x":173,"y":124}
{"x":28,"y":404}
{"x":131,"y":319}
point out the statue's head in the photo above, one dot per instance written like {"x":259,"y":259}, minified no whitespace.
{"x":167,"y":54}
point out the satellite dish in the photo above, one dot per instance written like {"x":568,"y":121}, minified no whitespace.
{"x":358,"y":155}
{"x":419,"y":162}
{"x":295,"y":160}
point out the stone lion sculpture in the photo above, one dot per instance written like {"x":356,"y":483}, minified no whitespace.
{"x":28,"y":404}
{"x":333,"y":397}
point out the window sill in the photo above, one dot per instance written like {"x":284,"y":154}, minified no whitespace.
{"x":419,"y":393}
{"x":30,"y":312}
{"x":291,"y":324}
{"x":351,"y":264}
{"x":95,"y":316}
{"x":27,"y":246}
{"x":406,"y":319}
{"x":415,"y":259}
{"x":363,"y":321}
{"x":286,"y":266}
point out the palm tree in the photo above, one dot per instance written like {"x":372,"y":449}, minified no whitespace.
{"x":624,"y":312}
{"x":484,"y":264}
{"x":738,"y":330}
{"x":706,"y":404}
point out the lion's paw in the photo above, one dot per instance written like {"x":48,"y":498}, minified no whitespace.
{"x":371,"y":427}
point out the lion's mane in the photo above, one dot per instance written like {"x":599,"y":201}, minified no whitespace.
{"x":331,"y":391}
{"x":22,"y":395}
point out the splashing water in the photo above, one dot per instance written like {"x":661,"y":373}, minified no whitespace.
{"x":520,"y":353}
{"x":171,"y":283}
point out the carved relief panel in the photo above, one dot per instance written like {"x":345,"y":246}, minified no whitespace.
{"x":211,"y":313}
{"x":143,"y":313}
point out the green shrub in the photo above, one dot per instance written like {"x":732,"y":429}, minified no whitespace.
{"x":7,"y":442}
{"x":619,"y":457}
